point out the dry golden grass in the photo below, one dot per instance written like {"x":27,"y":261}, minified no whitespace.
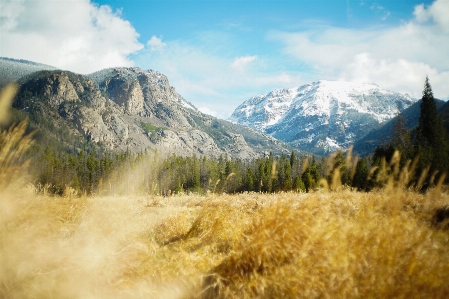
{"x":327,"y":244}
{"x":339,"y":244}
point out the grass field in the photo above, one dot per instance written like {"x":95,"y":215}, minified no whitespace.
{"x":389,"y":243}
{"x":320,"y":245}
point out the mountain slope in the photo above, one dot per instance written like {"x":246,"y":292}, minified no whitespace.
{"x":14,"y":69}
{"x":383,"y":132}
{"x":323,"y":116}
{"x":132,"y":109}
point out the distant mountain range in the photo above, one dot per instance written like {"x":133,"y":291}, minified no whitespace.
{"x":134,"y":109}
{"x":126,"y":109}
{"x":321,"y":117}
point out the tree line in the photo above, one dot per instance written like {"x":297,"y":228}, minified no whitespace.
{"x":152,"y":173}
{"x":91,"y":171}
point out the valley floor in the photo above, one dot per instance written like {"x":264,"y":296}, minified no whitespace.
{"x":342,"y":244}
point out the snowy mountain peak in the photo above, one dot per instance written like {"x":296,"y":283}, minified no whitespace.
{"x":321,"y":116}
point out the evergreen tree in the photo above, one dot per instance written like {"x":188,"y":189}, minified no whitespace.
{"x":196,"y":175}
{"x":401,"y":139}
{"x":298,"y":185}
{"x":310,"y":177}
{"x":340,"y":163}
{"x":292,"y":159}
{"x":270,"y":168}
{"x":426,"y":131}
{"x":288,"y":181}
{"x":431,"y":140}
{"x":249,"y":180}
{"x":361,"y":175}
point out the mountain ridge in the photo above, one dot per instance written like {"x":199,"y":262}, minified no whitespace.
{"x":14,"y":69}
{"x":322,"y":116}
{"x":132,"y":109}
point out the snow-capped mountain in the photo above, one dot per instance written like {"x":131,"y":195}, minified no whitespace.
{"x":322,"y":116}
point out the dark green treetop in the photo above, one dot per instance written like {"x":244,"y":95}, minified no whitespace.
{"x":431,"y":139}
{"x":428,"y":119}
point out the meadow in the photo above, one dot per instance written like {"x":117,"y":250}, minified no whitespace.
{"x":342,"y":244}
{"x":334,"y":242}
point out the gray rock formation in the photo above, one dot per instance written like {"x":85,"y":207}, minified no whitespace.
{"x":59,"y":89}
{"x":132,"y":109}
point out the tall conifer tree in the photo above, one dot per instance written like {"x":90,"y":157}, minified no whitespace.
{"x":431,"y":139}
{"x":427,"y":127}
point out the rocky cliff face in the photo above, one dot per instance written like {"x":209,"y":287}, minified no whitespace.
{"x":323,"y":116}
{"x":132,"y":109}
{"x":147,"y":94}
{"x":127,"y":95}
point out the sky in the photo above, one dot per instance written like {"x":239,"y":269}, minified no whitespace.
{"x":218,"y":54}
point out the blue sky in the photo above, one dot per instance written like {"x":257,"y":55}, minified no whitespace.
{"x":219,"y":53}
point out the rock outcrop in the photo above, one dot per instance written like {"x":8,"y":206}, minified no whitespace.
{"x":131,"y":109}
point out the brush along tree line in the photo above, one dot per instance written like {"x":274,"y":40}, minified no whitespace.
{"x":93,"y":172}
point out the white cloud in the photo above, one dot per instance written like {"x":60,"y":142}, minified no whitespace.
{"x":421,"y":14}
{"x":399,"y":75}
{"x":206,"y":110}
{"x":76,"y":35}
{"x":241,"y":63}
{"x":155,"y":43}
{"x":9,"y":12}
{"x":398,"y":58}
{"x":437,"y":12}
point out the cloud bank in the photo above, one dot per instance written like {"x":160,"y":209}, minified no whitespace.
{"x":396,"y":58}
{"x":209,"y":69}
{"x":76,"y":35}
